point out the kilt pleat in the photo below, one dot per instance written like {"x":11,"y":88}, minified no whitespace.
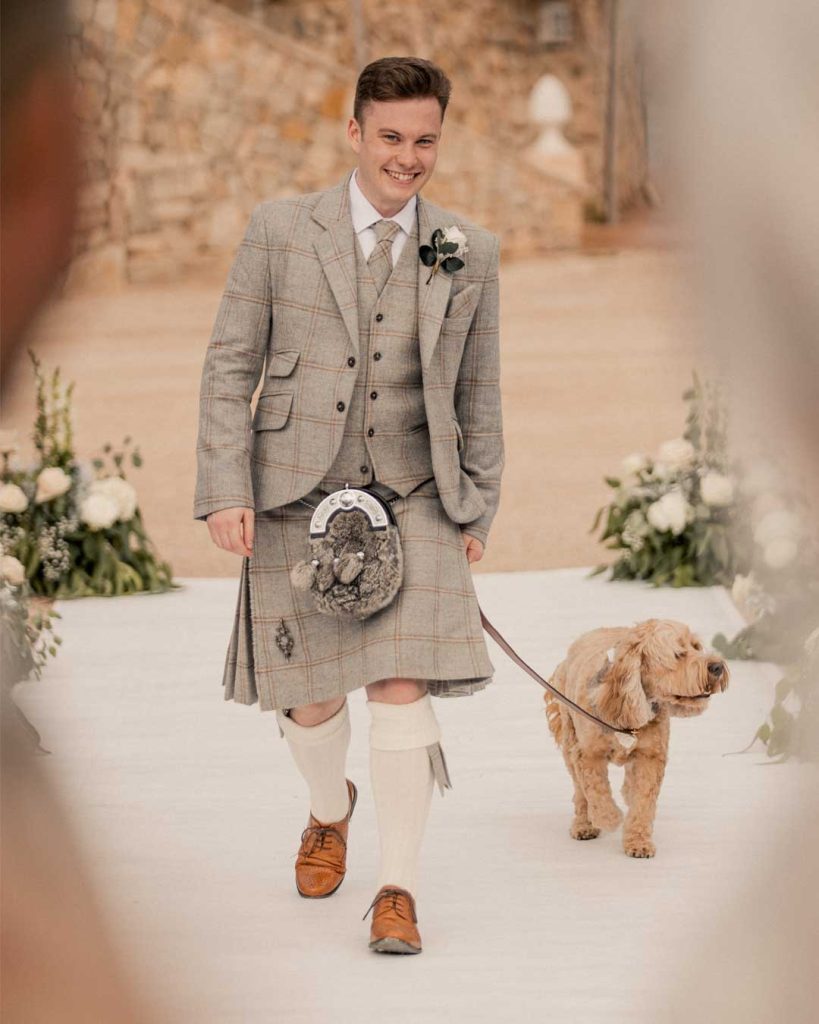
{"x":430,"y":631}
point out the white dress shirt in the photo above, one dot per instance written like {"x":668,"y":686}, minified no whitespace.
{"x":364,"y":215}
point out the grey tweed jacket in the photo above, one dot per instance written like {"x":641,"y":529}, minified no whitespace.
{"x":288,"y":317}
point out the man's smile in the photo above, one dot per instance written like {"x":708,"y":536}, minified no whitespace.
{"x":401,"y":176}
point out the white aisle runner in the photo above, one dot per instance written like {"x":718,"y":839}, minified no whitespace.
{"x":190,"y":813}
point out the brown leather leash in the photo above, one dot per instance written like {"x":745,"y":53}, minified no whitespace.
{"x":509,"y":650}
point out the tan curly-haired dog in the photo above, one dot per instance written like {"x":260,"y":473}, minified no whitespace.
{"x":633,"y":678}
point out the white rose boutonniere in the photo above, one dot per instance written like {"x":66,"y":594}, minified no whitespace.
{"x":447,"y":250}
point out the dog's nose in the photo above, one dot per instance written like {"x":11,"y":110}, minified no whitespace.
{"x":715,"y":669}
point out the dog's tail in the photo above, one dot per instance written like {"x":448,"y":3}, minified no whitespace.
{"x":554,"y":717}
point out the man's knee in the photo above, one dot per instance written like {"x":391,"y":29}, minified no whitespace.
{"x":396,"y":691}
{"x":315,"y":714}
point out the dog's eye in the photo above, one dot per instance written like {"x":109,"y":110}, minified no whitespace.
{"x":697,"y":645}
{"x":679,"y":654}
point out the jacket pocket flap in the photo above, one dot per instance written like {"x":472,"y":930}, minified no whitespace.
{"x":280,"y":364}
{"x":272,"y":411}
{"x":463,"y":303}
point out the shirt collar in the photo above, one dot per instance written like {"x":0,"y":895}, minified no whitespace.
{"x":364,"y":214}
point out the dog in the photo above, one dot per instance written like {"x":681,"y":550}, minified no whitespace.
{"x":632,"y":678}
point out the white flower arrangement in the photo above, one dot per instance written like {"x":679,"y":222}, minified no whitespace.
{"x":77,"y":530}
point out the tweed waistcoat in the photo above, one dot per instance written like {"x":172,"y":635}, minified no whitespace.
{"x":386,"y":436}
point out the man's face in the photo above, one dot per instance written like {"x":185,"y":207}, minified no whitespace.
{"x":397,"y":146}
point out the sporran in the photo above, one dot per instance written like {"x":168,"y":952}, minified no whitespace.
{"x":356,"y":562}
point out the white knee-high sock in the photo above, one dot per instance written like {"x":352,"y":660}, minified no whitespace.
{"x":320,"y":753}
{"x":402,"y":781}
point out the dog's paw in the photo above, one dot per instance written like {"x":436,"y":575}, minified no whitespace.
{"x":608,"y":817}
{"x":583,"y":830}
{"x":639,"y":846}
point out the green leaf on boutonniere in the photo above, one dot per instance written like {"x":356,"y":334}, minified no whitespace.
{"x":448,"y":247}
{"x":452,"y":263}
{"x":427,"y":254}
{"x":437,"y":236}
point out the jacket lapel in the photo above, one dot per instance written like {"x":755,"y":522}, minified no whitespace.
{"x":335,"y":248}
{"x":432,"y":297}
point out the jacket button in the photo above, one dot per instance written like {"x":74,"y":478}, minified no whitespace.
{"x":379,"y":317}
{"x":377,"y":355}
{"x":340,"y":407}
{"x":370,"y":432}
{"x":373,"y":395}
{"x":363,"y":469}
{"x":351,"y":361}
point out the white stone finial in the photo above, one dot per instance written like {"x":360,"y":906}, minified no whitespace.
{"x":550,"y":107}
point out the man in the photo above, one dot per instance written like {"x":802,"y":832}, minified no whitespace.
{"x":380,"y":371}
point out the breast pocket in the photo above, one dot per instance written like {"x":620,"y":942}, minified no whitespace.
{"x":272,"y":411}
{"x":462,"y":306}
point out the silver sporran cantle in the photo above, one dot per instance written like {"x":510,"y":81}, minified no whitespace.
{"x":356,"y":564}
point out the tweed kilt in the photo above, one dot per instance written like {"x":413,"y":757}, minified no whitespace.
{"x":430,"y":631}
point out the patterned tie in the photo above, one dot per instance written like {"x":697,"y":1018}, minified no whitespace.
{"x":380,"y":261}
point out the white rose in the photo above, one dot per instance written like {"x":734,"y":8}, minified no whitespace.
{"x":780,"y":552}
{"x":677,"y":510}
{"x":12,"y":498}
{"x":633,"y":464}
{"x":51,"y":483}
{"x":662,"y":471}
{"x":676,"y":453}
{"x":716,"y":489}
{"x":12,"y":570}
{"x":671,"y":512}
{"x":120,"y":492}
{"x":778,"y":524}
{"x":99,"y":511}
{"x":454,"y":234}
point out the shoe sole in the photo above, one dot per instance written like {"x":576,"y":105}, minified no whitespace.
{"x":324,"y":895}
{"x":392,"y":945}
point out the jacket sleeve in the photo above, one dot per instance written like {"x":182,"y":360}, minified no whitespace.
{"x":478,"y":401}
{"x":233,"y":366}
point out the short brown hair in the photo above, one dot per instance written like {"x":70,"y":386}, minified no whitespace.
{"x":400,"y":78}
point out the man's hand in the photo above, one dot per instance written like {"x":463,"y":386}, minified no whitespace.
{"x":474,"y":548}
{"x":232,"y":529}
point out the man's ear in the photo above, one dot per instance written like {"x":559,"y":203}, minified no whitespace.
{"x":354,"y":134}
{"x":620,"y":698}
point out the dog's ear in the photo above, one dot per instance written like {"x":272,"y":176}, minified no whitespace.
{"x":620,"y":698}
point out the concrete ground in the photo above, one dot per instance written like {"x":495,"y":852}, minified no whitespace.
{"x":189,"y":812}
{"x":596,"y":352}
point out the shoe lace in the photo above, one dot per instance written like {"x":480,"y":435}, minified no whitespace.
{"x":316,"y":838}
{"x":400,"y":904}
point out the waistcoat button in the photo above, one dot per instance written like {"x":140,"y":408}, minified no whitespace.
{"x":373,"y":395}
{"x":379,"y":317}
{"x":370,"y":432}
{"x":351,"y":361}
{"x":340,"y":407}
{"x":363,"y":469}
{"x":377,"y":355}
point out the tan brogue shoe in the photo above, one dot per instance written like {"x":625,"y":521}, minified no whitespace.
{"x":321,"y":862}
{"x":393,"y":928}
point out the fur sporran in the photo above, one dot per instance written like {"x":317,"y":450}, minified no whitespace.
{"x":356,"y":564}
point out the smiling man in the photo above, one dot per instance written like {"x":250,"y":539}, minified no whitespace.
{"x":371,"y":316}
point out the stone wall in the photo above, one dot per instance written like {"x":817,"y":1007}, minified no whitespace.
{"x":192,"y":113}
{"x":491,"y":51}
